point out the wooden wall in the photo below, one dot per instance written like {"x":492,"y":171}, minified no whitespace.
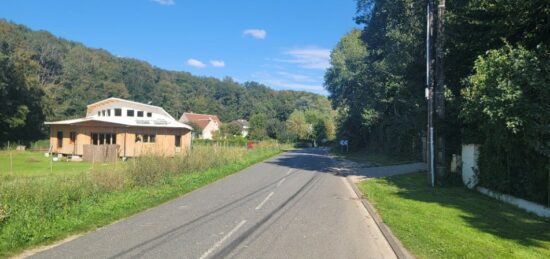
{"x":165,"y":141}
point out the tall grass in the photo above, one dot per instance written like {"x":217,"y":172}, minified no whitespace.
{"x":44,"y":208}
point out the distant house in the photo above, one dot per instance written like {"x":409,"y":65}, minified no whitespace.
{"x":244,"y":126}
{"x":135,"y":128}
{"x":207,"y":123}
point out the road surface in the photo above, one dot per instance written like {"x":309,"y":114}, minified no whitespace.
{"x":291,"y":206}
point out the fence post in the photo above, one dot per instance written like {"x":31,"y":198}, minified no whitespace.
{"x":11,"y":159}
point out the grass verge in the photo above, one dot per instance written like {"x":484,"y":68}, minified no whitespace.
{"x":40,"y":210}
{"x":454,"y":222}
{"x":372,"y":157}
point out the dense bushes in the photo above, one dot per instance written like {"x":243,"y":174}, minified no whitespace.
{"x":507,"y":108}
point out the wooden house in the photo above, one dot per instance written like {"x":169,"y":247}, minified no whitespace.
{"x":208,"y":124}
{"x":135,"y":128}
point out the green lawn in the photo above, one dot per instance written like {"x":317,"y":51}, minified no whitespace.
{"x":372,"y":157}
{"x":27,"y":163}
{"x":454,"y":222}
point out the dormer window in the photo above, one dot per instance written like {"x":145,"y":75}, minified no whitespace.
{"x":130,"y":113}
{"x":140,"y":113}
{"x":118,"y":112}
{"x":149,"y":114}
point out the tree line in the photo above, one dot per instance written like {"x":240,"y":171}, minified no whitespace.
{"x":46,"y":78}
{"x":497,"y":85}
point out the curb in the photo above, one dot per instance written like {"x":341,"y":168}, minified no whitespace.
{"x":400,"y":251}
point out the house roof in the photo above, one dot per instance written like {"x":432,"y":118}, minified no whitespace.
{"x":201,"y":120}
{"x":202,"y":123}
{"x":159,"y":119}
{"x":126,"y":103}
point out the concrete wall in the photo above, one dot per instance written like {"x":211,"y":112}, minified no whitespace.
{"x":470,"y":154}
{"x":532,"y":207}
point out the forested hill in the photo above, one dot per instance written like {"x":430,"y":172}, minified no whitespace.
{"x":43,"y":77}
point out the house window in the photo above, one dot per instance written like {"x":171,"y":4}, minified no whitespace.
{"x":60,"y":139}
{"x":103,"y":138}
{"x":178,"y":141}
{"x":95,"y":139}
{"x":145,"y":138}
{"x":140,"y":113}
{"x":149,"y":114}
{"x":111,"y":139}
{"x":103,"y":113}
{"x":98,"y":114}
{"x":72,"y":137}
{"x":130,"y":113}
{"x":109,"y":112}
{"x":118,"y":112}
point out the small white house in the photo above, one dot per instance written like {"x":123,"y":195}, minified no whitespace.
{"x":207,"y":123}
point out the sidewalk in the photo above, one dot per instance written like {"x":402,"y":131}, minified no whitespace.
{"x":358,"y":171}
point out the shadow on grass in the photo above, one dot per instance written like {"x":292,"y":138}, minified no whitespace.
{"x":375,"y":158}
{"x":481,"y":212}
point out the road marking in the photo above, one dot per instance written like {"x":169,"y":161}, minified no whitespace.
{"x":219,"y":243}
{"x":280,"y":182}
{"x":265,"y":200}
{"x":289,"y":170}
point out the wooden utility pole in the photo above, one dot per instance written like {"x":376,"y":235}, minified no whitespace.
{"x":441,"y":170}
{"x":430,"y":90}
{"x":435,"y":92}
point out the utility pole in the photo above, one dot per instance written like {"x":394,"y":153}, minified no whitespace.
{"x":441,"y":172}
{"x":430,"y":90}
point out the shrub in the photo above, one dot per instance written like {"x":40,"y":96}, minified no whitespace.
{"x":507,"y":110}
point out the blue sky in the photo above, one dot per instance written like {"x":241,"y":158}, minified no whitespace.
{"x":284,"y":44}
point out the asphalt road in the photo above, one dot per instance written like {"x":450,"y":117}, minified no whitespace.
{"x":291,"y":206}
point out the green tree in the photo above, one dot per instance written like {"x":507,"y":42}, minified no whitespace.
{"x":258,"y":123}
{"x":231,"y":129}
{"x":506,"y":109}
{"x":298,"y":125}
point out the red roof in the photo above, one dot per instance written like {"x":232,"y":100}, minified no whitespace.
{"x":201,"y":120}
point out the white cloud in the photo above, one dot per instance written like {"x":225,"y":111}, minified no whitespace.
{"x":289,"y":81}
{"x":165,"y":2}
{"x":195,"y":63}
{"x":310,"y":58}
{"x":256,"y":33}
{"x":217,"y":63}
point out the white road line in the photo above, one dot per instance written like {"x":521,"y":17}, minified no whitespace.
{"x":264,"y":201}
{"x":219,"y":243}
{"x":280,"y":182}
{"x":289,"y":170}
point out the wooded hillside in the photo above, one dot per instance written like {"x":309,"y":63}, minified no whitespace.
{"x":43,"y":77}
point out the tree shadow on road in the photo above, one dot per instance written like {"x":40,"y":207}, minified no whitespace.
{"x":311,"y":159}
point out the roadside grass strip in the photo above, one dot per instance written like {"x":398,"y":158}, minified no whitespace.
{"x":454,"y":222}
{"x":42,"y":209}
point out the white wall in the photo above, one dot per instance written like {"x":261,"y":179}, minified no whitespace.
{"x":470,"y":153}
{"x":532,"y":207}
